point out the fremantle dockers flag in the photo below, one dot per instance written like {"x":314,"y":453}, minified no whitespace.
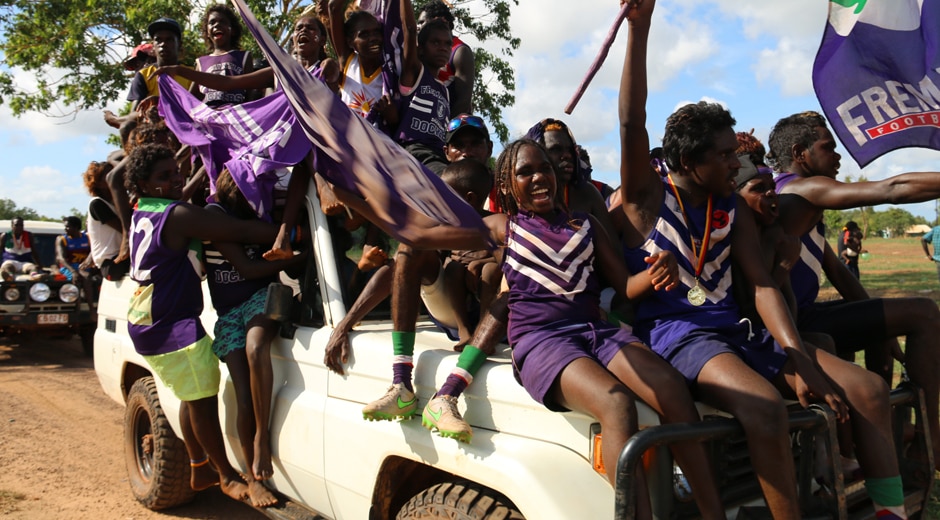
{"x":352,"y":154}
{"x":253,"y":140}
{"x":877,"y":75}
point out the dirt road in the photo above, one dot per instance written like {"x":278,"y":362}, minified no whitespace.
{"x":60,"y":442}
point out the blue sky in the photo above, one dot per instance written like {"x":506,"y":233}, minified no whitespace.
{"x":754,"y":57}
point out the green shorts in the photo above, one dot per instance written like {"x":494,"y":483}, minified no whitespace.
{"x":191,"y":373}
{"x":231,"y":328}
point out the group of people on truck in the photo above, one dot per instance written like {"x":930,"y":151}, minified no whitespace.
{"x":712,"y":318}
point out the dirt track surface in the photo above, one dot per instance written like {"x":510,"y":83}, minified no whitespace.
{"x":61,"y":453}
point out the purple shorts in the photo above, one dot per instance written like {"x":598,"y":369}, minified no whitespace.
{"x":692,"y":351}
{"x":539,"y":357}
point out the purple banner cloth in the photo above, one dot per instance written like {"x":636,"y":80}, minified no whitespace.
{"x":877,"y":75}
{"x":352,"y":154}
{"x":388,"y":13}
{"x":252,"y":140}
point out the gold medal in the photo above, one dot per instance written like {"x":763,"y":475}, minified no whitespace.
{"x":696,"y":295}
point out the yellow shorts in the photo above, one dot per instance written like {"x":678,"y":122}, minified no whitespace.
{"x":191,"y":373}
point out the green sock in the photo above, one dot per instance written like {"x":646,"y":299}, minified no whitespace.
{"x":471,"y":359}
{"x":403,"y":343}
{"x":885,"y":491}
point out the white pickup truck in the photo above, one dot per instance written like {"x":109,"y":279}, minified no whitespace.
{"x":524,"y":461}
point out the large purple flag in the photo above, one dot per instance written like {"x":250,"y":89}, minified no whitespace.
{"x":353,"y":155}
{"x":252,"y":140}
{"x":877,"y":75}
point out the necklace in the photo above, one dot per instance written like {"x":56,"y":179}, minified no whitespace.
{"x":696,"y":294}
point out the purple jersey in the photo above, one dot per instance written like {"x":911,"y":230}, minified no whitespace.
{"x":226,"y":287}
{"x":164,"y":311}
{"x":549,"y":267}
{"x":425,"y":112}
{"x":804,"y":277}
{"x":231,"y":63}
{"x":665,"y":316}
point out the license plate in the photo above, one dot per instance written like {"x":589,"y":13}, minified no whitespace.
{"x":52,"y":319}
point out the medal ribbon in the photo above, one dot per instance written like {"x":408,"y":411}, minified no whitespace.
{"x":697,"y":255}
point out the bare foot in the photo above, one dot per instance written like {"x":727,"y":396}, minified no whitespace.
{"x":278,"y":253}
{"x":328,"y":201}
{"x":262,"y":467}
{"x":234,"y":488}
{"x":260,"y":496}
{"x":372,"y":258}
{"x":203,"y":477}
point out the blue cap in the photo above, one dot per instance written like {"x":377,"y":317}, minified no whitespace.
{"x":165,"y":24}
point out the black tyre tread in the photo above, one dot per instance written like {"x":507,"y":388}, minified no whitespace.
{"x":458,"y":501}
{"x":169,"y":485}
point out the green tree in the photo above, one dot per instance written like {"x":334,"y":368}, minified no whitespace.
{"x":73,"y":49}
{"x":493,"y":23}
{"x":8,"y":210}
{"x":895,"y":220}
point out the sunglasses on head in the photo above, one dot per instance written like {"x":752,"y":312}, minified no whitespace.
{"x":460,"y":121}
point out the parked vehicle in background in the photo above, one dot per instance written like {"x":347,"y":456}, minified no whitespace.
{"x":45,"y":303}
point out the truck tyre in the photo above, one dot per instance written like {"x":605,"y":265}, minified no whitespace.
{"x":156,"y":459}
{"x":458,"y":501}
{"x":87,"y":335}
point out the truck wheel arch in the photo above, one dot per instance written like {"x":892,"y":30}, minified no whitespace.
{"x":404,"y":484}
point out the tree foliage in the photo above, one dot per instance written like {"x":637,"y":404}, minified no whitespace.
{"x":73,"y":49}
{"x":495,"y":80}
{"x":8,"y":210}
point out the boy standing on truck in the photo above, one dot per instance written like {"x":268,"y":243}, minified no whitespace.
{"x":163,"y":316}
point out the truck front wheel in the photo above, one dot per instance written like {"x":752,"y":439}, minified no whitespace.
{"x":156,"y":459}
{"x":458,"y":501}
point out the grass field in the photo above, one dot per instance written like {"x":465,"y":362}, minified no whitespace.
{"x":894,"y":268}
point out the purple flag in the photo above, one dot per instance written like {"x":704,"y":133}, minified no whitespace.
{"x":252,"y":140}
{"x":877,"y":75}
{"x":353,"y":155}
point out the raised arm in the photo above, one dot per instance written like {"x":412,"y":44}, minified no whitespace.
{"x":122,"y":206}
{"x":464,"y":78}
{"x":411,"y":64}
{"x":337,"y":31}
{"x":640,"y":187}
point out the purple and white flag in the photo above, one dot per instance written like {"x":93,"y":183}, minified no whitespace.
{"x":877,"y":75}
{"x":252,"y":140}
{"x":353,"y":155}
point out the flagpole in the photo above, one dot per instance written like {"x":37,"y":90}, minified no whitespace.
{"x":601,"y":56}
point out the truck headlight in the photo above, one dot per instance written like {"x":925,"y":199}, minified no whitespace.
{"x":68,"y":293}
{"x":12,"y":294}
{"x":39,"y":292}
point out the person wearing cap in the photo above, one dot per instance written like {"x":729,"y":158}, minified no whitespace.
{"x":140,"y":57}
{"x":167,"y":38}
{"x":166,"y":46}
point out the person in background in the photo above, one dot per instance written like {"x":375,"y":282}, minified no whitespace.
{"x":19,"y":257}
{"x":932,"y":238}
{"x":104,"y":226}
